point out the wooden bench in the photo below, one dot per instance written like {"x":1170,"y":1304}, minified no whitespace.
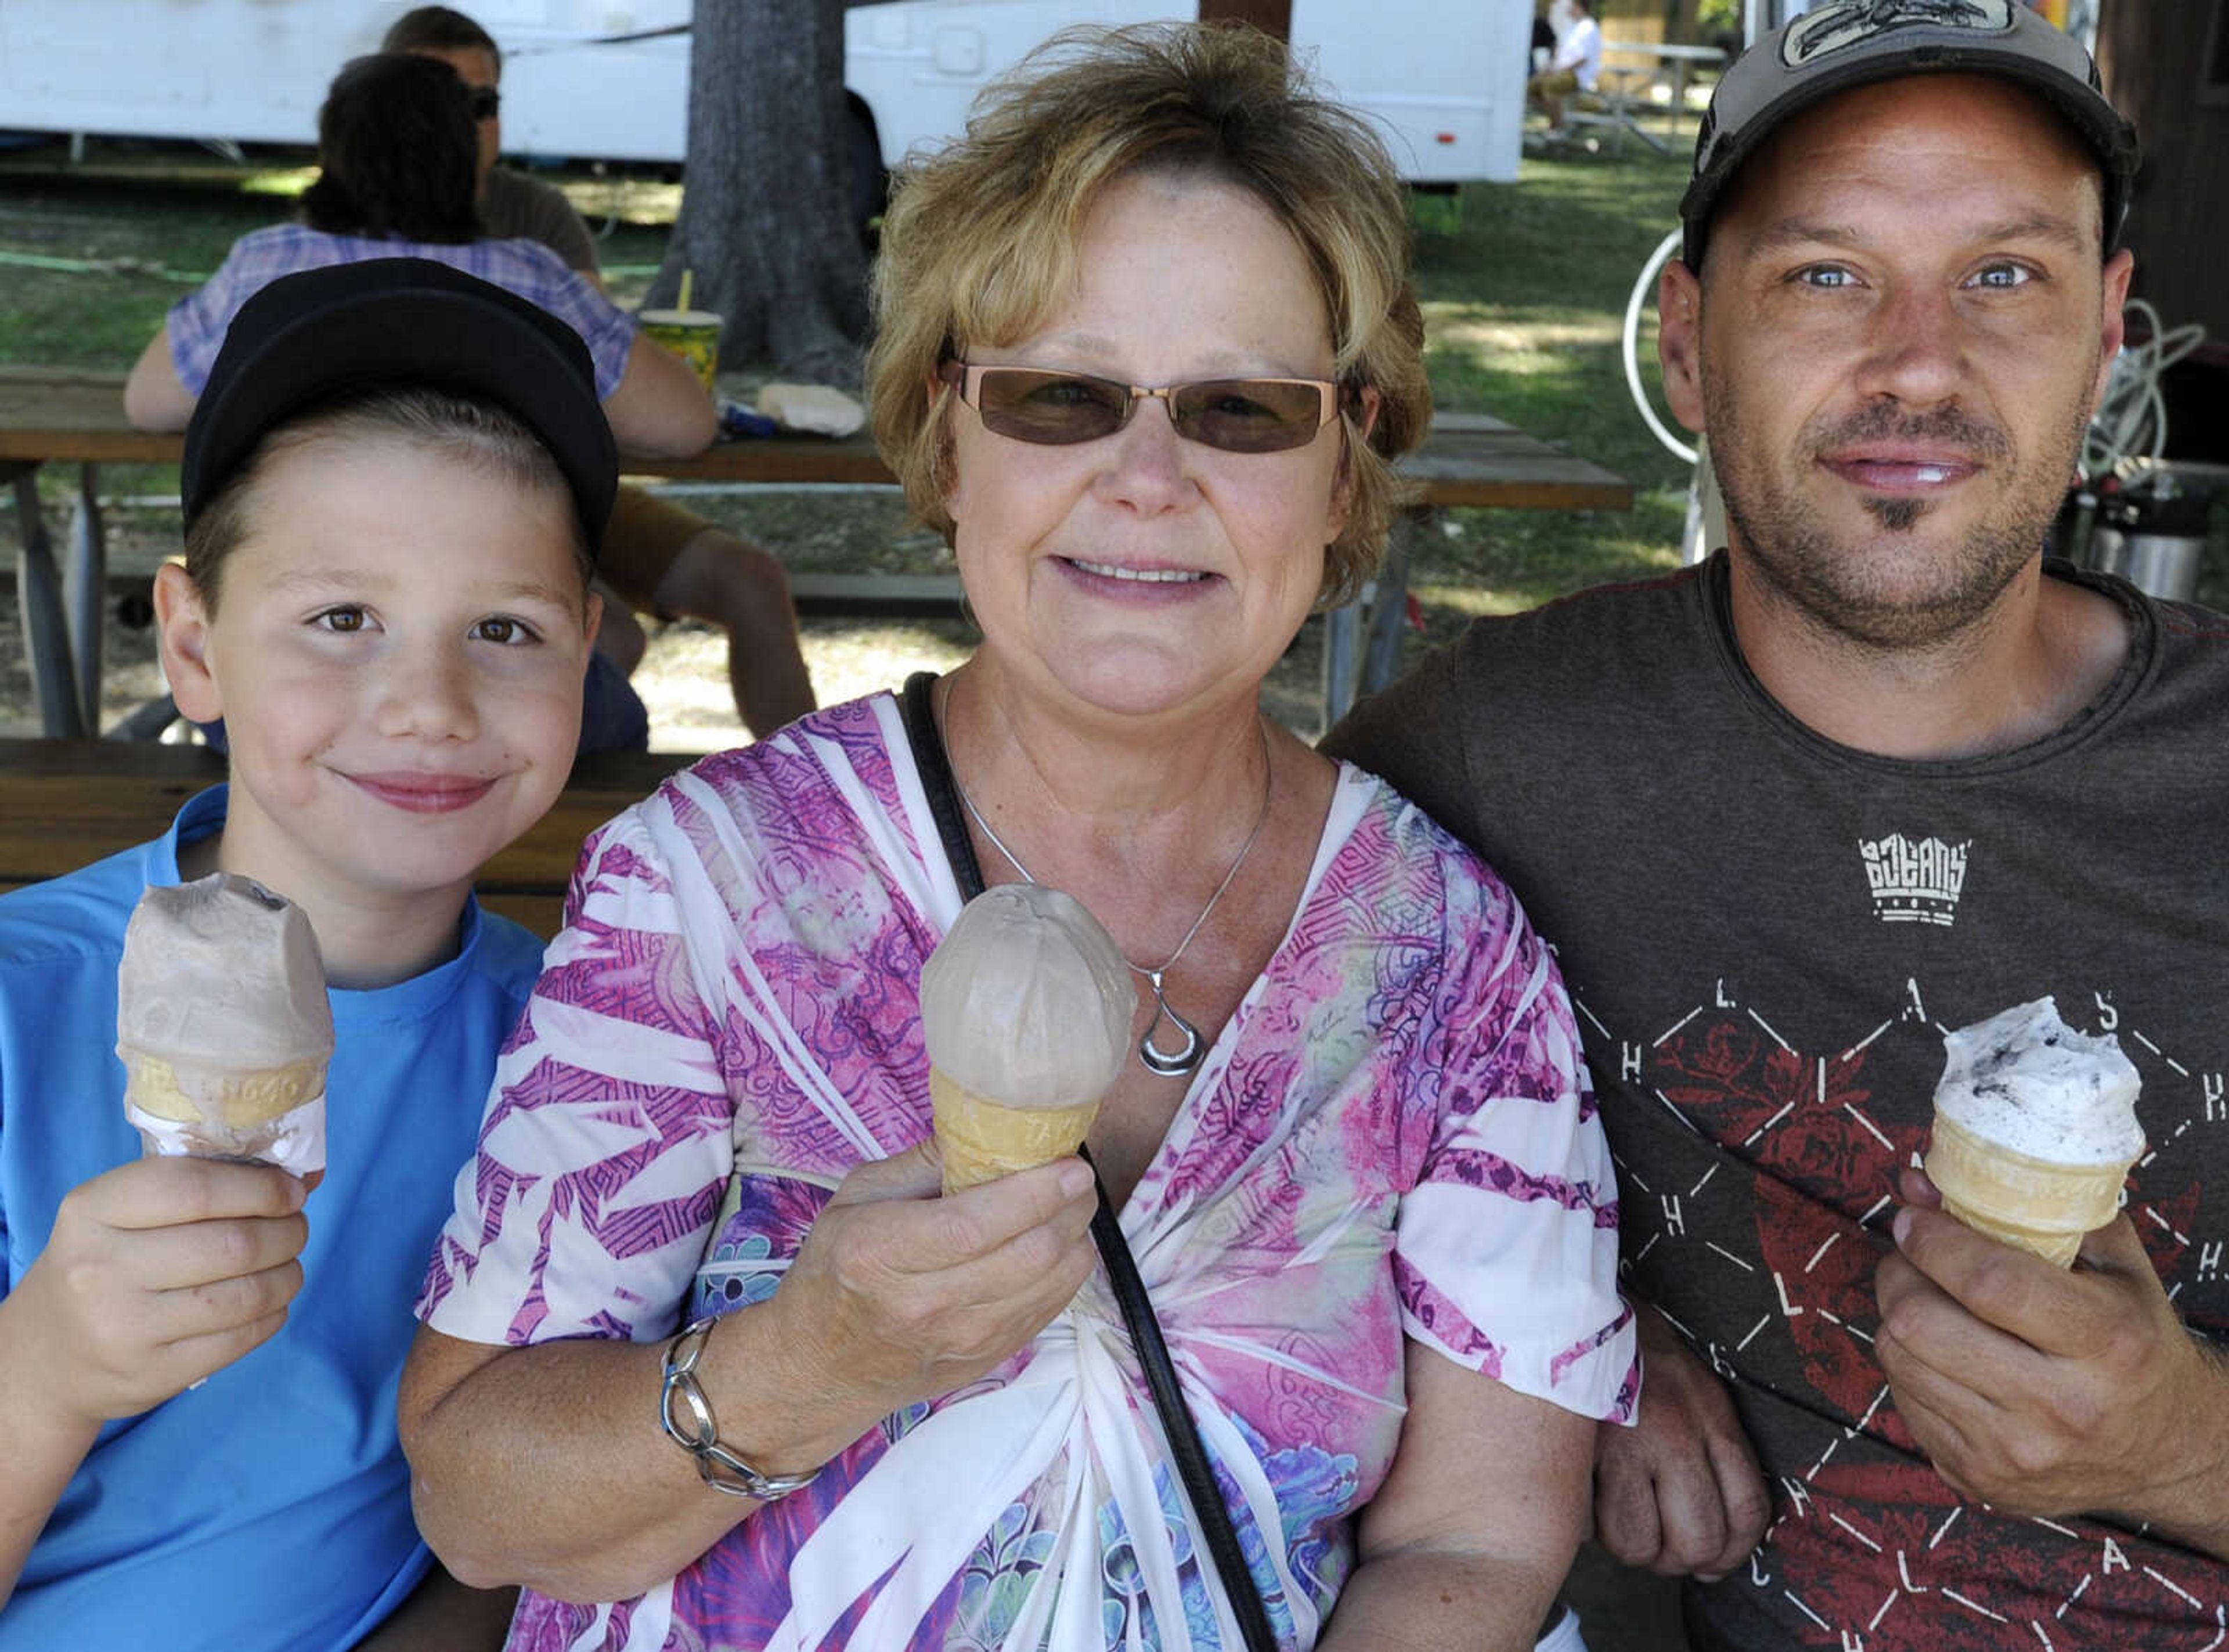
{"x":70,"y":802}
{"x":76,"y":416}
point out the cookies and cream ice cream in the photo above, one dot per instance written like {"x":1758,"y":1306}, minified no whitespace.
{"x":2035,"y":1128}
{"x":223,"y":1024}
{"x":1026,"y":1008}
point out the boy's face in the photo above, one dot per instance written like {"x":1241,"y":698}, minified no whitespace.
{"x":397,"y":654}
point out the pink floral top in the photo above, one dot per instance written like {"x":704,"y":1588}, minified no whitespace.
{"x":1391,"y":1140}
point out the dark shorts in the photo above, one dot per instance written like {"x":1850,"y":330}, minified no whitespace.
{"x":612,"y":716}
{"x":641,"y":542}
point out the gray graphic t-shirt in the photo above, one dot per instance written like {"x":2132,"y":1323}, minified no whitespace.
{"x":1766,"y":935}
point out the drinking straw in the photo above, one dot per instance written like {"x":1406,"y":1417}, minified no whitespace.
{"x":688,"y":280}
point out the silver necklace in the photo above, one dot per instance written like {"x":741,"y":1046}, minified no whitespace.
{"x":1166,"y":1063}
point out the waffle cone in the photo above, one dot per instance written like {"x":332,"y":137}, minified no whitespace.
{"x":233,"y":1100}
{"x":2034,"y":1204}
{"x":983,"y":1139}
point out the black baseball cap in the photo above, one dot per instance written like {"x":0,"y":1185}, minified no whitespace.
{"x":310,"y":339}
{"x":1848,"y":43}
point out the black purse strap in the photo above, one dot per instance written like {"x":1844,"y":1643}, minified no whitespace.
{"x":1183,"y":1433}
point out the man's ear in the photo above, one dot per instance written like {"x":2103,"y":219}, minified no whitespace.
{"x":2112,"y":322}
{"x":1680,"y":341}
{"x":181,"y":621}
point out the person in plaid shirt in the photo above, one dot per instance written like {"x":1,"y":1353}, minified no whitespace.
{"x":397,"y":147}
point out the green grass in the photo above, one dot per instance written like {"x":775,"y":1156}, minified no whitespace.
{"x":1524,"y":304}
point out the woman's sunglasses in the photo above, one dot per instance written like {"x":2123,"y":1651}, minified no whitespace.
{"x":1234,"y":415}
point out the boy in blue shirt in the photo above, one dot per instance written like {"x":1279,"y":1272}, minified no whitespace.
{"x":393,"y":486}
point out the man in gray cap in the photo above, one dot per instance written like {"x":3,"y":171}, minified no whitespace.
{"x":1874,"y":771}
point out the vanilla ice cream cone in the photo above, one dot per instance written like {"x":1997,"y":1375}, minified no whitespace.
{"x":223,"y":1024}
{"x":2031,"y":1203}
{"x":1026,"y":1007}
{"x":2035,"y":1128}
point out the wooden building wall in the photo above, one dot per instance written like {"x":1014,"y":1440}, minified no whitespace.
{"x":2165,"y":65}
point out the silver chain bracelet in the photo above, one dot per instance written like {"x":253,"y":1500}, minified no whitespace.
{"x":697,"y":1431}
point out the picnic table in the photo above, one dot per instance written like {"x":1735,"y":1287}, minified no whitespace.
{"x":1630,"y":68}
{"x":69,"y":415}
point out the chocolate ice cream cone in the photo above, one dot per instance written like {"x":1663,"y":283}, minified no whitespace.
{"x":983,"y":1139}
{"x":1025,"y":1011}
{"x":223,"y":1024}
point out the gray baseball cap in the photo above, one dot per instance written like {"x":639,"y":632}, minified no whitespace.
{"x":1847,"y":43}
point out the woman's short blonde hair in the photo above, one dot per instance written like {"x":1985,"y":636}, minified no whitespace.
{"x":980,"y":243}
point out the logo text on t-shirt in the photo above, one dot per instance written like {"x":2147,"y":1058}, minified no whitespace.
{"x":1915,"y":883}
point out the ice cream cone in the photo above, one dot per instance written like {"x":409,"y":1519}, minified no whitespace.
{"x":190,"y":1093}
{"x":983,"y":1139}
{"x":2035,"y":1128}
{"x":2039,"y":1206}
{"x":223,"y":1025}
{"x":1025,"y":1010}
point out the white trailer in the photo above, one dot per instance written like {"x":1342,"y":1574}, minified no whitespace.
{"x":589,"y":78}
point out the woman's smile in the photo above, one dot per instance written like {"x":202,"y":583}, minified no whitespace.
{"x":1138,"y":582}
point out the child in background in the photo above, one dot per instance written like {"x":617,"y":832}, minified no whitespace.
{"x":393,"y":486}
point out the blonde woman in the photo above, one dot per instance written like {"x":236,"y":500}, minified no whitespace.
{"x":1147,"y":346}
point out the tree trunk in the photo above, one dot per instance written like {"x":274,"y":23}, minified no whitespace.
{"x":765,"y":223}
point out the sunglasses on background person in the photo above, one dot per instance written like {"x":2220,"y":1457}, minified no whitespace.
{"x":1059,"y":409}
{"x":484,"y":101}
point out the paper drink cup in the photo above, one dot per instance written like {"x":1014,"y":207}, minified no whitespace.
{"x":693,"y":335}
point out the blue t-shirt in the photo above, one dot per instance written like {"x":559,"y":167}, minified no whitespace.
{"x":270,"y":1508}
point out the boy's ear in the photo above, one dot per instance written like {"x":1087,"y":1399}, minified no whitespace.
{"x":594,"y":617}
{"x":182,"y":620}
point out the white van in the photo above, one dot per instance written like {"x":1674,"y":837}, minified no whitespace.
{"x":592,"y":78}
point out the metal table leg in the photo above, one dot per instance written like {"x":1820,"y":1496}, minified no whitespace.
{"x":46,"y":627}
{"x":85,"y":585}
{"x":1362,"y":640}
{"x":1342,"y":652}
{"x":1388,"y":614}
